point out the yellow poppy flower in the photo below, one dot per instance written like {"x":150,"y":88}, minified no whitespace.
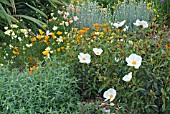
{"x":45,"y":52}
{"x":41,"y":32}
{"x":59,"y":33}
{"x":15,"y":52}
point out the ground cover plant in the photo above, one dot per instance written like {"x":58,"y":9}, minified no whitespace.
{"x":49,"y":90}
{"x":88,"y":58}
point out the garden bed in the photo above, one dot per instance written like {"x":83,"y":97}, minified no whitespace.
{"x":90,"y":57}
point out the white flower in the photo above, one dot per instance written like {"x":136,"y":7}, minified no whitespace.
{"x":84,"y":58}
{"x":96,"y":33}
{"x":128,"y":77}
{"x":29,"y":45}
{"x":97,"y":51}
{"x":145,"y":24}
{"x":14,"y":26}
{"x":54,"y":18}
{"x":71,"y":21}
{"x":19,"y":38}
{"x":64,"y":16}
{"x":117,"y":59}
{"x":110,"y":94}
{"x":10,"y":46}
{"x":130,"y":42}
{"x":60,"y":12}
{"x":62,"y":23}
{"x":60,"y":39}
{"x":134,"y":60}
{"x":25,"y":31}
{"x":52,"y":14}
{"x":5,"y":28}
{"x":47,"y":49}
{"x":66,"y":13}
{"x":119,"y":24}
{"x":125,"y":29}
{"x":141,"y":23}
{"x":138,"y":22}
{"x":48,"y":33}
{"x":1,"y":65}
{"x":66,"y":23}
{"x":8,"y":32}
{"x":13,"y":34}
{"x":75,"y":18}
{"x":55,"y":28}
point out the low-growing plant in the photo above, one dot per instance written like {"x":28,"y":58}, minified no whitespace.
{"x":49,"y":89}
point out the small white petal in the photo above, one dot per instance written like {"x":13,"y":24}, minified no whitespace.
{"x":128,"y":77}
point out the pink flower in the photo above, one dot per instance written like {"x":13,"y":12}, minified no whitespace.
{"x":66,"y":23}
{"x":64,"y":17}
{"x":54,"y":18}
{"x":75,"y":18}
{"x":55,"y":28}
{"x":69,"y":8}
{"x":66,"y":13}
{"x":60,"y":12}
{"x":71,"y":21}
{"x":52,"y":14}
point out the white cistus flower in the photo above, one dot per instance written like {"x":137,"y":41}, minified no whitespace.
{"x":97,"y":51}
{"x":110,"y":94}
{"x":84,"y":58}
{"x":142,"y":23}
{"x":134,"y":60}
{"x":119,"y":24}
{"x":127,"y":77}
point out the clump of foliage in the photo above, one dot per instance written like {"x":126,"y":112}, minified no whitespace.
{"x":131,"y":11}
{"x":90,"y":13}
{"x":93,"y":12}
{"x":18,"y":43}
{"x":49,"y":89}
{"x":148,"y":91}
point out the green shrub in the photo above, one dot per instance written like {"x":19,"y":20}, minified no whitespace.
{"x":90,"y":13}
{"x":131,"y":11}
{"x":50,"y":89}
{"x":148,"y":92}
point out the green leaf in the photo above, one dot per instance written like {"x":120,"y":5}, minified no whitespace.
{"x":122,"y":104}
{"x":5,"y":14}
{"x":37,"y":10}
{"x":58,"y":2}
{"x":38,"y":22}
{"x":13,"y":5}
{"x":13,"y":19}
{"x":163,"y":106}
{"x":5,"y":2}
{"x":101,"y":88}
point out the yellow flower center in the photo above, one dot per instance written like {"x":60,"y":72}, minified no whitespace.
{"x":84,"y":58}
{"x":97,"y":53}
{"x":134,"y":62}
{"x":111,"y":96}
